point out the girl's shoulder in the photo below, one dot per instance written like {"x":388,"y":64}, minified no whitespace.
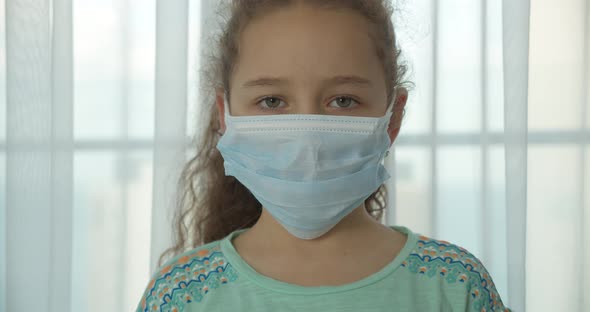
{"x":430,"y":253}
{"x":171,"y":286}
{"x":458,"y":268}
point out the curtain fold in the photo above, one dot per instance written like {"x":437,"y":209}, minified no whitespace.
{"x":170,"y":117}
{"x":3,"y":248}
{"x":30,"y":167}
{"x":516,"y":53}
{"x":62,"y":151}
{"x":585,"y":196}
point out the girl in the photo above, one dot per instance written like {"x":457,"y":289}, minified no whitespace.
{"x":282,"y":204}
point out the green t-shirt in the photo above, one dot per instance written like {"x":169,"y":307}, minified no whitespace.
{"x":426,"y":275}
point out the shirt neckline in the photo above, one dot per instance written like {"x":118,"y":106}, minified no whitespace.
{"x":244,"y":269}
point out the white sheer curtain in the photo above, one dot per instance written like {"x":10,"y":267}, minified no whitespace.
{"x":98,"y":100}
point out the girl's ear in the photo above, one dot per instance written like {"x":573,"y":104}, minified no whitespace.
{"x":219,"y":98}
{"x":395,"y":123}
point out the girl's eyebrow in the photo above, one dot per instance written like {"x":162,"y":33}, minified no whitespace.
{"x":336,"y":80}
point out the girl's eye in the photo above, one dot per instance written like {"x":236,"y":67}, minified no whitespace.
{"x":269,"y":103}
{"x":344,"y":102}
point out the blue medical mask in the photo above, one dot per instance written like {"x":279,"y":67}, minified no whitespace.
{"x":309,"y":171}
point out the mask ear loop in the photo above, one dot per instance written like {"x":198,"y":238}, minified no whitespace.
{"x":226,"y":106}
{"x":390,"y":108}
{"x":391,"y":104}
{"x":225,"y":112}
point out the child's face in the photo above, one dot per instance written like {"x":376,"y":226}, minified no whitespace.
{"x":325,"y":61}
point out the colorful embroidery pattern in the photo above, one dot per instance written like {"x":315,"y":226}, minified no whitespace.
{"x":187,"y":279}
{"x":455,"y":265}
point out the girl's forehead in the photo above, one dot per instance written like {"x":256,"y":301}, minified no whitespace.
{"x":301,"y":41}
